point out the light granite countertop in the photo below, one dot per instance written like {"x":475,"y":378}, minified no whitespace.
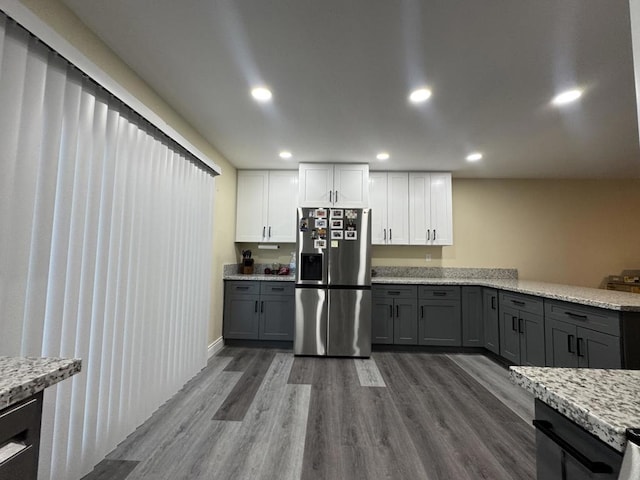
{"x":603,"y":402}
{"x":261,"y":276}
{"x":22,"y":377}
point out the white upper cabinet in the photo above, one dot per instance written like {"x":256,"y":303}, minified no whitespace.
{"x":266,"y":206}
{"x":338,"y":185}
{"x":389,"y":197}
{"x":430,"y":211}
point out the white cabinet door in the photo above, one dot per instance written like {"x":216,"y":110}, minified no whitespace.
{"x":251,"y":206}
{"x":351,"y":185}
{"x":397,"y":208}
{"x":283,"y":201}
{"x":441,"y":210}
{"x":378,"y":202}
{"x":315,"y":184}
{"x":430,"y":212}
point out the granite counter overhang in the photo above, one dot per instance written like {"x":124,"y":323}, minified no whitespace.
{"x":22,"y":377}
{"x":611,"y":300}
{"x":603,"y":402}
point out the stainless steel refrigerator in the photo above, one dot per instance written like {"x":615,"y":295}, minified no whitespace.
{"x":333,"y":282}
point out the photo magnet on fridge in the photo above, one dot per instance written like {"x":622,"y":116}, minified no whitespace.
{"x":321,"y":213}
{"x":350,"y":235}
{"x":321,"y":223}
{"x":336,"y":234}
{"x":320,"y":244}
{"x":337,"y":224}
{"x":337,"y":213}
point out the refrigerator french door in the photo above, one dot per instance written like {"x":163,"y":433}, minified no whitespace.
{"x":333,"y":282}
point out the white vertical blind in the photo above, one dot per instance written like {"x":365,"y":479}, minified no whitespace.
{"x":105,"y":251}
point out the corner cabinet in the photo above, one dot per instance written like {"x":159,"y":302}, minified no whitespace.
{"x":389,"y":199}
{"x":430,"y":209}
{"x":337,"y":185}
{"x":266,"y":206}
{"x":491,"y":320}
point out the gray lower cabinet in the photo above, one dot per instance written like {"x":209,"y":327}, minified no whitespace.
{"x":472,"y":324}
{"x":491,"y":320}
{"x":439,"y":316}
{"x":522,"y":329}
{"x":582,"y":336}
{"x":255,"y":310}
{"x":393,"y":315}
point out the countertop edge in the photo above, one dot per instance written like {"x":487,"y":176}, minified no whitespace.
{"x":61,"y":370}
{"x":612,"y":435}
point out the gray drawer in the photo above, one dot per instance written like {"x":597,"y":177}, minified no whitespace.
{"x":526,"y":303}
{"x":21,"y":422}
{"x":243,"y":286}
{"x":599,"y":319}
{"x":439,"y":292}
{"x":276,"y":288}
{"x":395,"y":291}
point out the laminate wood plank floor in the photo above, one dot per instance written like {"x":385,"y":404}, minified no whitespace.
{"x":425,"y":416}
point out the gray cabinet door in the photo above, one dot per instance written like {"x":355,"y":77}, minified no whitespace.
{"x":405,"y":323}
{"x":277,"y":316}
{"x":382,"y":316}
{"x":560,"y":344}
{"x":531,"y":328}
{"x":440,"y":323}
{"x":472,"y":324}
{"x":491,"y":320}
{"x":598,"y":350}
{"x":509,"y":334}
{"x":241,"y":316}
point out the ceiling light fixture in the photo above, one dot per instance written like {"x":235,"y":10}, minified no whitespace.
{"x":382,"y":156}
{"x":285,"y":154}
{"x":474,"y":157}
{"x":420,"y":95}
{"x":261,"y":94}
{"x":567,"y":97}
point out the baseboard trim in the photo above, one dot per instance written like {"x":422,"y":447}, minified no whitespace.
{"x":215,"y":347}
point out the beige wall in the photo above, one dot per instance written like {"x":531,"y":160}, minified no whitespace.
{"x":565,"y":231}
{"x":58,"y":16}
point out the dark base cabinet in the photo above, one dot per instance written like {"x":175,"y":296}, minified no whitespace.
{"x":565,"y":451}
{"x":582,"y":336}
{"x":439,"y":316}
{"x":522,"y":329}
{"x":393,"y":315}
{"x":255,"y":310}
{"x":20,"y":423}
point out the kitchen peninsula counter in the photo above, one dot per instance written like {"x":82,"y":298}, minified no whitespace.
{"x":603,"y":402}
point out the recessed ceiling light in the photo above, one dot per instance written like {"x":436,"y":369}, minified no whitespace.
{"x":420,"y":95}
{"x":262,"y":94}
{"x":474,"y":157}
{"x":382,"y":156}
{"x":285,"y":154}
{"x":567,"y":97}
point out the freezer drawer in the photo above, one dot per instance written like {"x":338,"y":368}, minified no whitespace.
{"x":349,"y":328}
{"x":311,"y":322}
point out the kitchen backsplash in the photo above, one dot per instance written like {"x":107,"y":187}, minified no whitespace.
{"x":446,"y":272}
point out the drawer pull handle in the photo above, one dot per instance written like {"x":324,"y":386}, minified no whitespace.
{"x":546,"y":428}
{"x":570,"y":343}
{"x":242,"y":288}
{"x":514,"y":320}
{"x":579,"y":349}
{"x":518,"y":302}
{"x":392,"y":292}
{"x":493,"y":302}
{"x":277,"y":289}
{"x":575,"y":315}
{"x":520,"y":322}
{"x":439,"y":294}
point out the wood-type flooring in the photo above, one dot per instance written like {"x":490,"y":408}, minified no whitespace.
{"x":265,"y":414}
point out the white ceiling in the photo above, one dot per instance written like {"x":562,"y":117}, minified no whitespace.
{"x":341,"y":71}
